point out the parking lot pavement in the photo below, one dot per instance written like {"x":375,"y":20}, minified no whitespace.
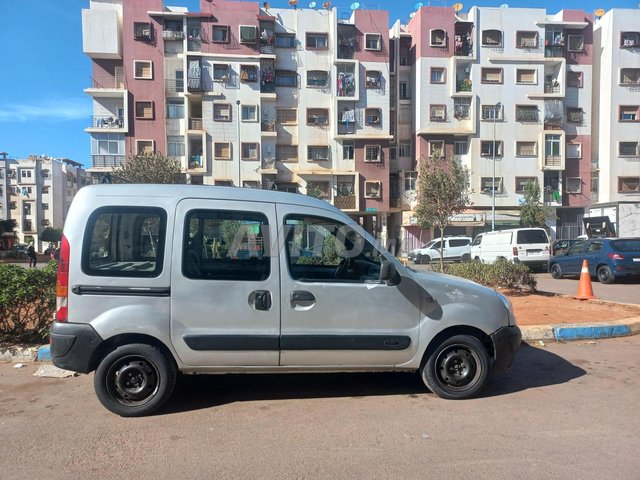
{"x":563,"y":411}
{"x":623,"y":291}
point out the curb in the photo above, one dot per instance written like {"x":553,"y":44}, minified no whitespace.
{"x":581,"y":331}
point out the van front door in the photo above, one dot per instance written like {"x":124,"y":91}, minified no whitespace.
{"x":225,"y":305}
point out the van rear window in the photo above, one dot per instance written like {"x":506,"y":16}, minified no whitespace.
{"x":532,"y":236}
{"x":124,"y":242}
{"x":630,"y":245}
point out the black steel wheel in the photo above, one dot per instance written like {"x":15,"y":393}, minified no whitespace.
{"x":425,"y":259}
{"x":466,"y":257}
{"x":458,"y":368}
{"x":134,"y":380}
{"x":556,"y":271}
{"x":605,"y":275}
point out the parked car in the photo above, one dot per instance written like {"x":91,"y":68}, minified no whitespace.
{"x":455,"y":249}
{"x":608,"y":259}
{"x":168,"y":294}
{"x":529,"y":246}
{"x":558,"y":247}
{"x":476,"y":247}
{"x":19,"y":250}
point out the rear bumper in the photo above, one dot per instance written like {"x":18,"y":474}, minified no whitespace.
{"x":73,"y":346}
{"x":506,"y":342}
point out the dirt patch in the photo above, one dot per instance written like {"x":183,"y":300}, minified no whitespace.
{"x":545,"y":309}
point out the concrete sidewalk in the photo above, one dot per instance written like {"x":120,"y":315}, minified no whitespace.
{"x":581,"y":331}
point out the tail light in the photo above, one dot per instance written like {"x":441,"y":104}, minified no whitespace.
{"x":515,"y":251}
{"x":615,"y":256}
{"x":62,"y":281}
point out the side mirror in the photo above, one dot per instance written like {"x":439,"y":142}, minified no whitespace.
{"x":388,"y":273}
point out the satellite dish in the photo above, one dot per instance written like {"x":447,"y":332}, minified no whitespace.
{"x":326,"y":5}
{"x":293,"y":3}
{"x":599,"y":12}
{"x":418,"y":5}
{"x":312,"y":5}
{"x":266,"y":5}
{"x":355,"y":5}
{"x":504,"y":5}
{"x":412,"y":14}
{"x":457,"y":7}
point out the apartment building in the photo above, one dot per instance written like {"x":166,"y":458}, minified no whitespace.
{"x":36,"y":192}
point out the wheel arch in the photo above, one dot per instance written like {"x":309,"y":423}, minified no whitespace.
{"x":110,"y":344}
{"x":453,"y":331}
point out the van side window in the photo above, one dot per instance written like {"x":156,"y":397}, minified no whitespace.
{"x":324,"y":250}
{"x":532,"y":236}
{"x":124,"y":242}
{"x":225,"y":245}
{"x":458,"y":243}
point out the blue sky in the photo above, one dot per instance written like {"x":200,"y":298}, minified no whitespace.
{"x":43,"y":109}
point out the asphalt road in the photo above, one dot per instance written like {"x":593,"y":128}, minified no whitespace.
{"x":563,"y":411}
{"x":623,"y":291}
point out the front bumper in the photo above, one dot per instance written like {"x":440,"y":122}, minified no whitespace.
{"x":506,"y":342}
{"x":73,"y":346}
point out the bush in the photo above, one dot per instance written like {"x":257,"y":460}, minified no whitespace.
{"x":501,"y":274}
{"x":27,"y":302}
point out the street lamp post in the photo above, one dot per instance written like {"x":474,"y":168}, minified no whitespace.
{"x":496,"y":110}
{"x":239,"y":145}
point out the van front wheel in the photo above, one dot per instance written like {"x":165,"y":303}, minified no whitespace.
{"x":457,"y":369}
{"x":134,"y":380}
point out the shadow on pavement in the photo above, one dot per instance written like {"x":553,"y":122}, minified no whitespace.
{"x":533,"y":367}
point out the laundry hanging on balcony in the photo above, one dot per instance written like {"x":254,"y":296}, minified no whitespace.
{"x":348,"y":115}
{"x":346,"y":84}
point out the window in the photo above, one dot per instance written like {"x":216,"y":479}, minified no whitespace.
{"x":491,"y":38}
{"x":574,"y":115}
{"x":109,"y":144}
{"x":142,"y":31}
{"x":436,"y":149}
{"x":222,"y":112}
{"x":317,"y":116}
{"x":249,"y":113}
{"x":248,"y":33}
{"x":224,"y":245}
{"x":630,"y":76}
{"x":491,"y":75}
{"x":492,"y":112}
{"x":175,"y":108}
{"x":437,"y":75}
{"x":574,"y":79}
{"x":525,"y":77}
{"x":144,"y":147}
{"x":438,"y":38}
{"x":526,"y":39}
{"x":404,"y":149}
{"x":287,"y":153}
{"x":372,"y":153}
{"x":45,"y":189}
{"x":576,"y":43}
{"x":317,"y":153}
{"x":143,"y":69}
{"x":26,"y":174}
{"x":462,"y":108}
{"x":629,"y":113}
{"x":410,"y":179}
{"x":248,"y":73}
{"x":527,"y":113}
{"x":221,"y":72}
{"x":287,"y":187}
{"x":317,"y":41}
{"x":405,"y":91}
{"x":372,"y":116}
{"x":144,"y":110}
{"x":222,"y":150}
{"x":629,"y":39}
{"x":319,"y":189}
{"x":175,"y":145}
{"x":223,"y":183}
{"x":373,"y":41}
{"x":522,"y":181}
{"x":285,"y":40}
{"x":573,"y":184}
{"x":286,"y":78}
{"x":489,"y":184}
{"x":372,"y":189}
{"x":348,"y":151}
{"x":552,"y":151}
{"x":124,"y":242}
{"x":373,"y":79}
{"x":287,"y":116}
{"x":437,"y":113}
{"x":317,"y":78}
{"x":220,"y":34}
{"x":628,"y":149}
{"x":250,"y":151}
{"x":526,"y":149}
{"x":532,"y":235}
{"x":460,"y":147}
{"x":628,"y":184}
{"x":486,"y":148}
{"x":345,"y":186}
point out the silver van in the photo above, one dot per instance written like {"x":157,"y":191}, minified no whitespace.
{"x":159,"y":279}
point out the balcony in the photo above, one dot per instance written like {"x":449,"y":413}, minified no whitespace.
{"x":553,"y":161}
{"x":465,"y":85}
{"x":195,"y":161}
{"x":173,"y":86}
{"x":345,"y":202}
{"x":107,"y":161}
{"x":107,"y":122}
{"x":195,"y":123}
{"x":552,"y":87}
{"x":267,"y":86}
{"x":107,"y":82}
{"x":268,"y":126}
{"x":172,"y":35}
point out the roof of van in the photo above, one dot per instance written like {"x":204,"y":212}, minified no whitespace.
{"x":205,"y":191}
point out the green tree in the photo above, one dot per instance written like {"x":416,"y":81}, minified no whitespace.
{"x":532,"y":212}
{"x":7,"y":226}
{"x":51,"y":234}
{"x":443,"y":191}
{"x":149,"y":168}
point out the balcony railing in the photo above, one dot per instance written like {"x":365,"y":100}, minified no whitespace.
{"x":346,"y":128}
{"x":464,"y":85}
{"x":552,"y":197}
{"x":173,"y":86}
{"x":195,"y":161}
{"x":267,"y":49}
{"x":267,"y":87}
{"x":463,"y":48}
{"x":345,"y":202}
{"x":107,"y":81}
{"x":268,"y":126}
{"x":107,"y":122}
{"x":195,"y":123}
{"x":552,"y":87}
{"x":107,"y":161}
{"x":172,"y":35}
{"x":553,"y":161}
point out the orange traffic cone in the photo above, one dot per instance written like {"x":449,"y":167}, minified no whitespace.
{"x":585,"y":292}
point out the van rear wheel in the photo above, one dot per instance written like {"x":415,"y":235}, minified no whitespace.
{"x":457,"y":369}
{"x":425,"y":259}
{"x":134,"y":380}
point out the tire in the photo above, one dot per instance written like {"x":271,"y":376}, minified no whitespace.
{"x":466,"y":257}
{"x":135,"y":380}
{"x":556,"y":271}
{"x":418,"y":259}
{"x":605,"y":275}
{"x":425,"y":259}
{"x":457,"y":369}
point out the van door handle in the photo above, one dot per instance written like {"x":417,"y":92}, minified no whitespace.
{"x":260,"y":300}
{"x":302,"y":296}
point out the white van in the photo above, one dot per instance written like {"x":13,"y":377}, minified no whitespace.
{"x":525,"y":245}
{"x":159,"y":279}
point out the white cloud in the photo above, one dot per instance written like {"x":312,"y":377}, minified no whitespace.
{"x":46,"y":110}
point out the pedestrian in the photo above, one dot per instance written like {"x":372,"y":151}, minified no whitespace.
{"x":31,"y":253}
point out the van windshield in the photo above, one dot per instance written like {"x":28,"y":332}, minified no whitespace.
{"x":532,"y":236}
